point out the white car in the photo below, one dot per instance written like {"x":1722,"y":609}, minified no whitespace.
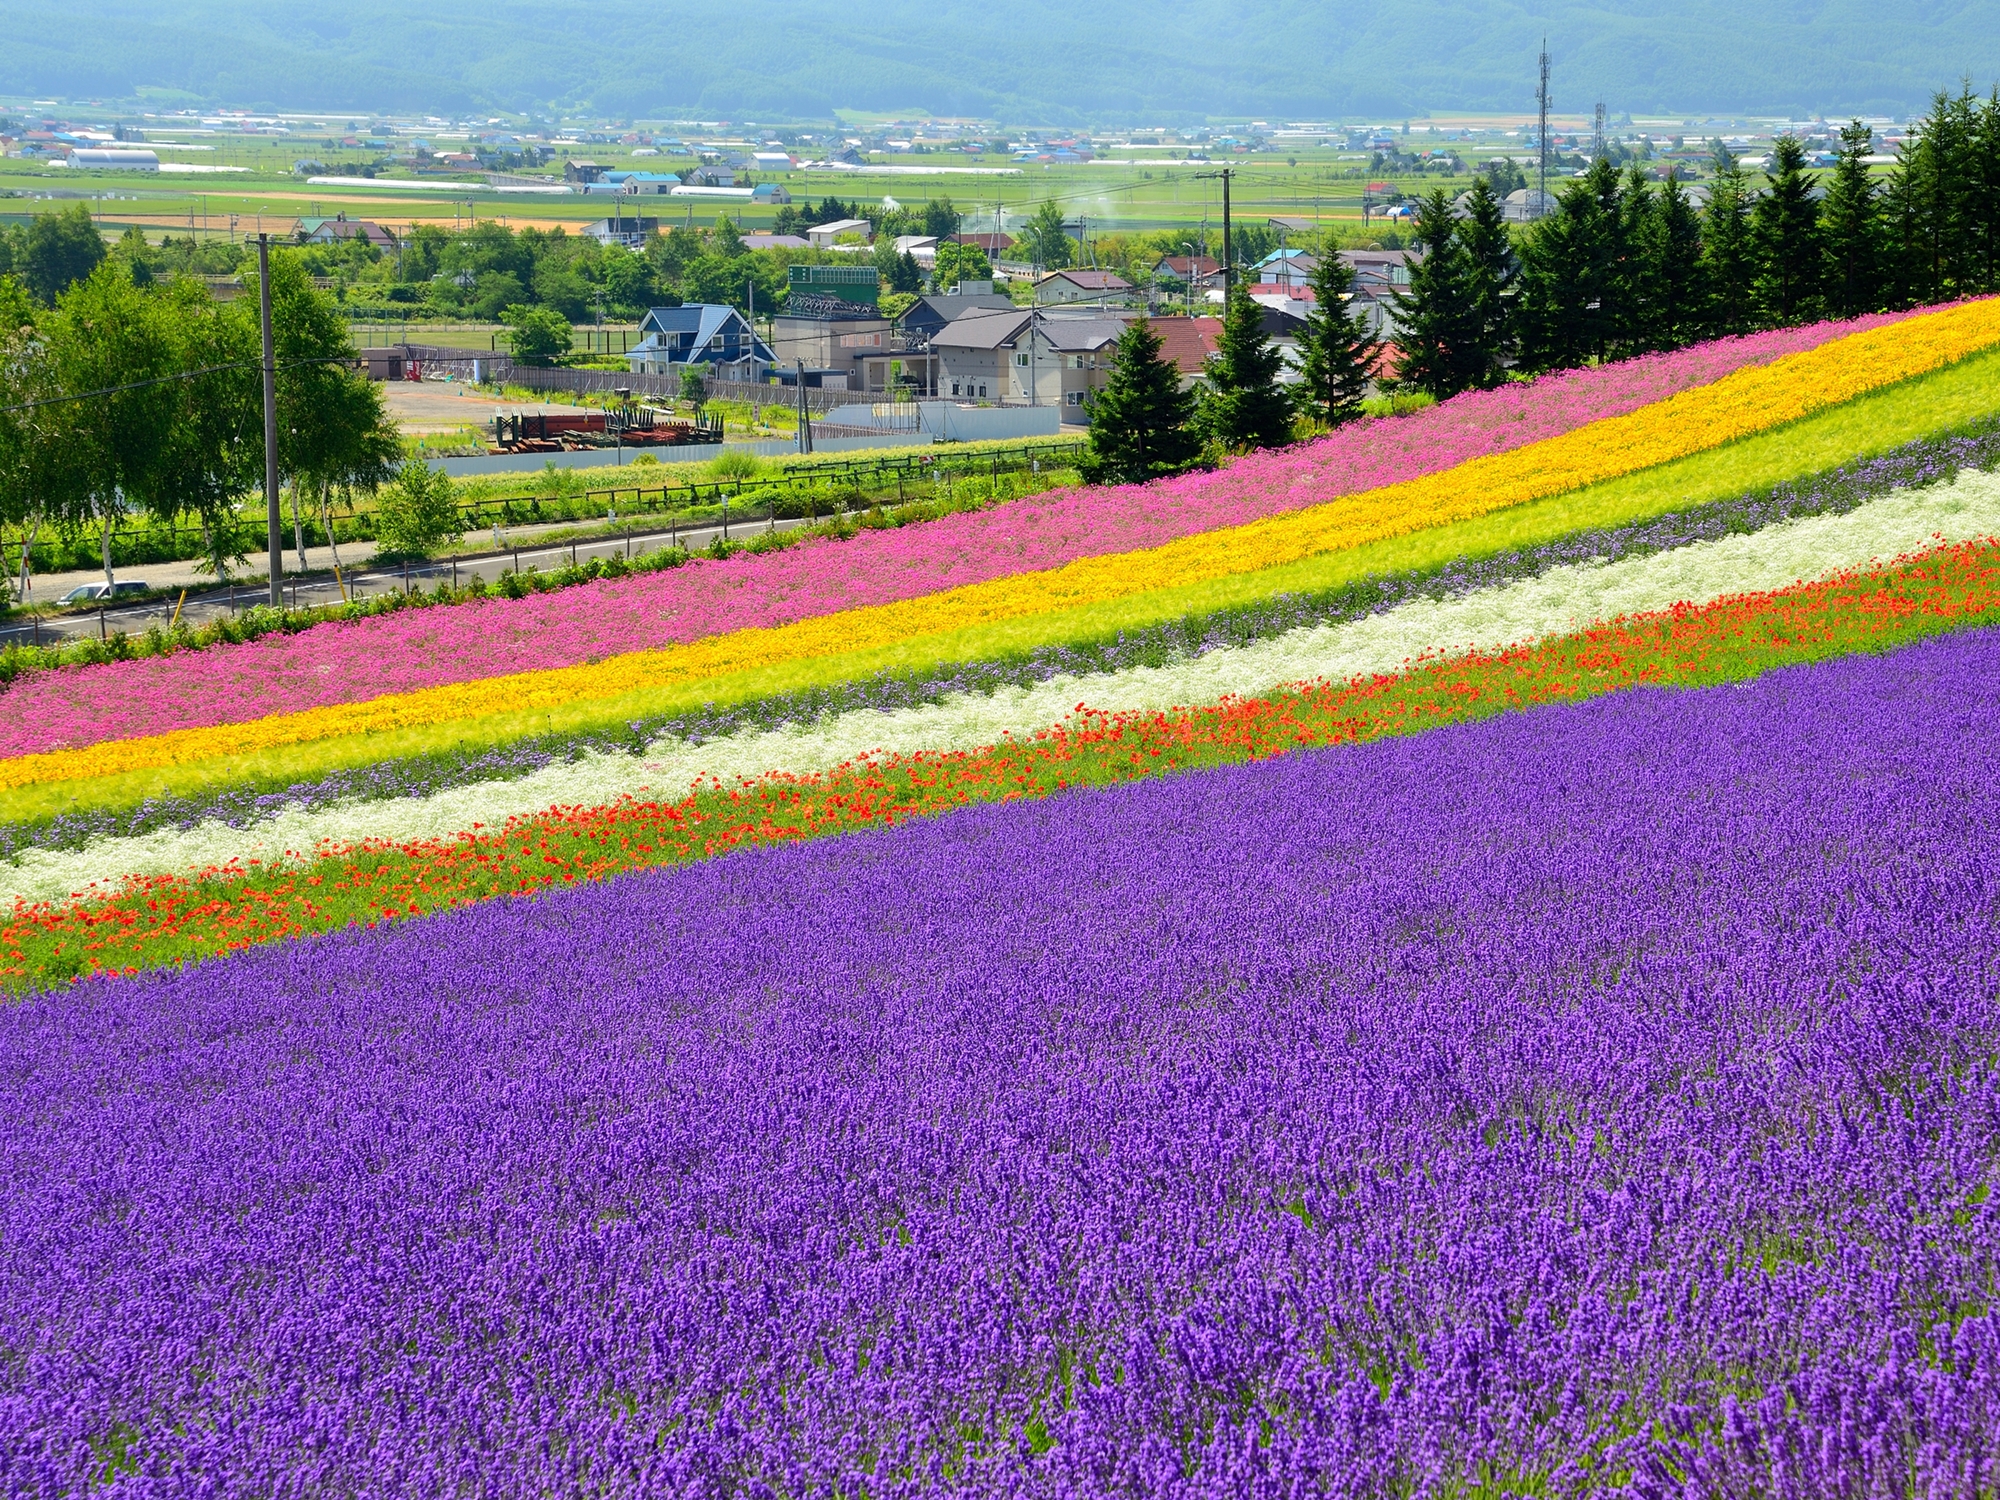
{"x":91,"y":593}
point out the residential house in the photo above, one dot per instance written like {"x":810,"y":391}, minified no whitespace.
{"x":772,"y":161}
{"x":1070,"y":361}
{"x":927,"y":315}
{"x":340,"y":229}
{"x":1188,"y":270}
{"x":976,"y":354}
{"x":992,"y":246}
{"x":582,"y":171}
{"x":826,"y":236}
{"x":714,"y":177}
{"x":1079,"y":286}
{"x":705,"y":335}
{"x":1188,"y":344}
{"x":1286,"y":267}
{"x":658,"y":184}
{"x":630,"y":230}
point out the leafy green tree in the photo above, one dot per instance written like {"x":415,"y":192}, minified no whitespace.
{"x":62,"y":249}
{"x":941,"y":220}
{"x":536,"y":335}
{"x":1245,"y":406}
{"x":630,"y":287}
{"x":1141,"y":421}
{"x":1784,"y":228}
{"x":1850,"y":233}
{"x":109,"y":337}
{"x":213,"y":453}
{"x":956,"y":263}
{"x":1048,"y":243}
{"x":416,"y":515}
{"x":323,"y":410}
{"x":694,"y":386}
{"x":1728,"y":254}
{"x":133,"y":250}
{"x":17,"y":309}
{"x":1338,"y":353}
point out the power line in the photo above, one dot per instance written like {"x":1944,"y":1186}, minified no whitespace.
{"x":140,"y":385}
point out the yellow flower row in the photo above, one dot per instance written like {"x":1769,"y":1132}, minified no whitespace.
{"x":1747,"y":401}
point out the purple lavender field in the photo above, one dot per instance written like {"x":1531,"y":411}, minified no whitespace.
{"x":1594,"y":1101}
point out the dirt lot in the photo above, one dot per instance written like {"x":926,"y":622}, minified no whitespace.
{"x":425,"y":407}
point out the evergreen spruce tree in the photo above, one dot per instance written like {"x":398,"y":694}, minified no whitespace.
{"x":1634,"y":315}
{"x":1140,"y":422}
{"x":1487,"y":260}
{"x":1784,"y":228}
{"x":1338,"y":352}
{"x":1436,"y":323}
{"x":1983,"y":154}
{"x":1849,"y":231}
{"x":1728,"y":259}
{"x":1574,"y":277}
{"x":1934,"y":203}
{"x":1245,"y":406}
{"x":1674,"y":307}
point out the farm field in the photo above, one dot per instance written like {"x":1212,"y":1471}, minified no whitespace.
{"x":1452,"y":959}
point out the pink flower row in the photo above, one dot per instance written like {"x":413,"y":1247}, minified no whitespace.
{"x":352,"y":661}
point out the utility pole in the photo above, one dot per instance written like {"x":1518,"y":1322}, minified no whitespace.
{"x":1542,"y":136}
{"x":1228,"y":264}
{"x":273,"y":523}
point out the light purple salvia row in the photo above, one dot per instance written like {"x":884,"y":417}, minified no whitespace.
{"x":1600,"y":1100}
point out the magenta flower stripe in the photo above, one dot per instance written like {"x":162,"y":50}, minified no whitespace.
{"x":353,"y":661}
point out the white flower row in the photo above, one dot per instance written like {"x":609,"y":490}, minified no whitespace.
{"x":1560,"y":601}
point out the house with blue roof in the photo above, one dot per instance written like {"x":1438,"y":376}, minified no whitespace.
{"x":702,"y":334}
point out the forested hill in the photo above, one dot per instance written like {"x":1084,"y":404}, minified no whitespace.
{"x":1035,"y":61}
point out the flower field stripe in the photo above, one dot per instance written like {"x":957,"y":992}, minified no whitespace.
{"x":1938,"y":411}
{"x":1558,"y":601}
{"x":1594,"y":1102}
{"x":351,"y":660}
{"x":1745,"y":402}
{"x":166,"y":919}
{"x":241,"y":807}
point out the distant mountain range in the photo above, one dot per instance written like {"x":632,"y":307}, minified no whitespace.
{"x":1029,"y":62}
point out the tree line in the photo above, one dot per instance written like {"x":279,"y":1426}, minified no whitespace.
{"x":1620,"y":267}
{"x":120,"y":398}
{"x":1617,"y":268}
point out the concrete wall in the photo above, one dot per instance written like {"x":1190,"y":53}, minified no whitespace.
{"x":950,"y":422}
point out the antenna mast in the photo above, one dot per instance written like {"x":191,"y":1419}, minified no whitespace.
{"x":1597,"y":135}
{"x":1542,"y":136}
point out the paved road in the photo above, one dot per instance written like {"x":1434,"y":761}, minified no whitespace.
{"x":320,"y":587}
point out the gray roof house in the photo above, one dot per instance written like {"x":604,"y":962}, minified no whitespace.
{"x":928,"y":314}
{"x":699,"y":333}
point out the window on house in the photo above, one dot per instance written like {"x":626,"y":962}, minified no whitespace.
{"x":1074,"y":398}
{"x":982,"y":392}
{"x":954,"y":387}
{"x":1021,"y":359}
